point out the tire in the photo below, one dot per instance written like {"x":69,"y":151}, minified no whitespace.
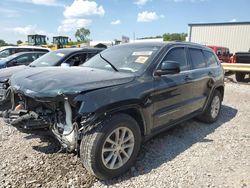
{"x":209,"y":116}
{"x":91,"y":147}
{"x":240,"y":76}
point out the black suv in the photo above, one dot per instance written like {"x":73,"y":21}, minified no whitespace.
{"x":126,"y":94}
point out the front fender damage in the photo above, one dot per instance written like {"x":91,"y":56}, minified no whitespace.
{"x":59,"y":116}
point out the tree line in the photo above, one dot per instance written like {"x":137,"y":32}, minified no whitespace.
{"x":169,"y":37}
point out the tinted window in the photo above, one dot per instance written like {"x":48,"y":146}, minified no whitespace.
{"x":24,"y":59}
{"x":219,"y":52}
{"x":197,"y":58}
{"x":224,"y":52}
{"x":77,"y":59}
{"x":211,"y":59}
{"x":23,"y":50}
{"x":40,"y":50}
{"x":178,"y":55}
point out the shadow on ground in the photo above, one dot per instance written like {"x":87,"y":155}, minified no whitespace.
{"x":163,"y":147}
{"x":47,"y":143}
{"x":167,"y":145}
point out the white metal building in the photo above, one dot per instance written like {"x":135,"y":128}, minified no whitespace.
{"x":234,"y":35}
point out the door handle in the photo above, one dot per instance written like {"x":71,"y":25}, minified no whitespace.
{"x":210,"y":73}
{"x":187,"y":78}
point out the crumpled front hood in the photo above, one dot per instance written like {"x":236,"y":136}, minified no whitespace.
{"x":8,"y":72}
{"x":50,"y":82}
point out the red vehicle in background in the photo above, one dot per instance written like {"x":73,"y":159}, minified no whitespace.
{"x":223,"y":54}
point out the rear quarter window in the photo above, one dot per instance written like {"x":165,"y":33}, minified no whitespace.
{"x":211,"y":59}
{"x":197,"y":58}
{"x":23,"y":50}
{"x":40,"y":50}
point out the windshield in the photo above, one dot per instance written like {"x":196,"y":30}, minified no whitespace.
{"x":49,"y":59}
{"x":8,"y":58}
{"x":123,"y":58}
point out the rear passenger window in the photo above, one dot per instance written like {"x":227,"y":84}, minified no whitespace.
{"x":178,"y":55}
{"x":23,"y":50}
{"x":210,"y":58}
{"x":197,"y":58}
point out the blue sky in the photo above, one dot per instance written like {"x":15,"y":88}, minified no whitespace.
{"x":110,"y":19}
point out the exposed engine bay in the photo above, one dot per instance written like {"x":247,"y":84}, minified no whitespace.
{"x":60,"y":117}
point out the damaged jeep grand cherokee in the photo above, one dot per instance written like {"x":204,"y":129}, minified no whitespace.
{"x":126,"y":94}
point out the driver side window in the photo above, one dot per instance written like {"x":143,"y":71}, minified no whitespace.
{"x":178,"y":55}
{"x":76,"y":60}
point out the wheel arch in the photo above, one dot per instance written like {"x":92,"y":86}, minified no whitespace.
{"x":221,"y":90}
{"x":136,"y":113}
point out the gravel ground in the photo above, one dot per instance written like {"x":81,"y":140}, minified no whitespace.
{"x":192,"y":154}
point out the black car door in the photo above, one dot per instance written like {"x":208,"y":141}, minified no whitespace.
{"x":172,"y":92}
{"x":201,"y":78}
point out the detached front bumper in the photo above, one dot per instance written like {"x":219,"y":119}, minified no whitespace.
{"x":24,"y":120}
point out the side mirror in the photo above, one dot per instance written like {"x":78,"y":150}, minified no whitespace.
{"x":168,"y":67}
{"x":231,"y":54}
{"x":65,"y":65}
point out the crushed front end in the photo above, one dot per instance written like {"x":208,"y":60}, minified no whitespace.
{"x":59,"y":115}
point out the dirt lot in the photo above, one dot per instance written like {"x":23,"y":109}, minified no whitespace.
{"x":192,"y":154}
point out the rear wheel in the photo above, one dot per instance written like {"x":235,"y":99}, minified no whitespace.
{"x":240,"y":76}
{"x":212,"y":111}
{"x":112,"y":148}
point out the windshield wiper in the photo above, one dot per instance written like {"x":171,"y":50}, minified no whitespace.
{"x":32,"y":65}
{"x":109,"y":63}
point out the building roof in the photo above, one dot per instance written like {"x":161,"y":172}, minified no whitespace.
{"x":37,"y":35}
{"x":221,"y":23}
{"x":60,"y":37}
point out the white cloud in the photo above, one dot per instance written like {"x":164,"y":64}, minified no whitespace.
{"x":82,"y":8}
{"x":147,"y":16}
{"x":141,"y":2}
{"x":73,"y":24}
{"x":27,"y":30}
{"x":116,"y":22}
{"x":233,"y":20}
{"x":77,"y":15}
{"x":42,"y":2}
{"x":45,"y":2}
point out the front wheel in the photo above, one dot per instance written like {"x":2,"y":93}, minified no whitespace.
{"x":112,"y":148}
